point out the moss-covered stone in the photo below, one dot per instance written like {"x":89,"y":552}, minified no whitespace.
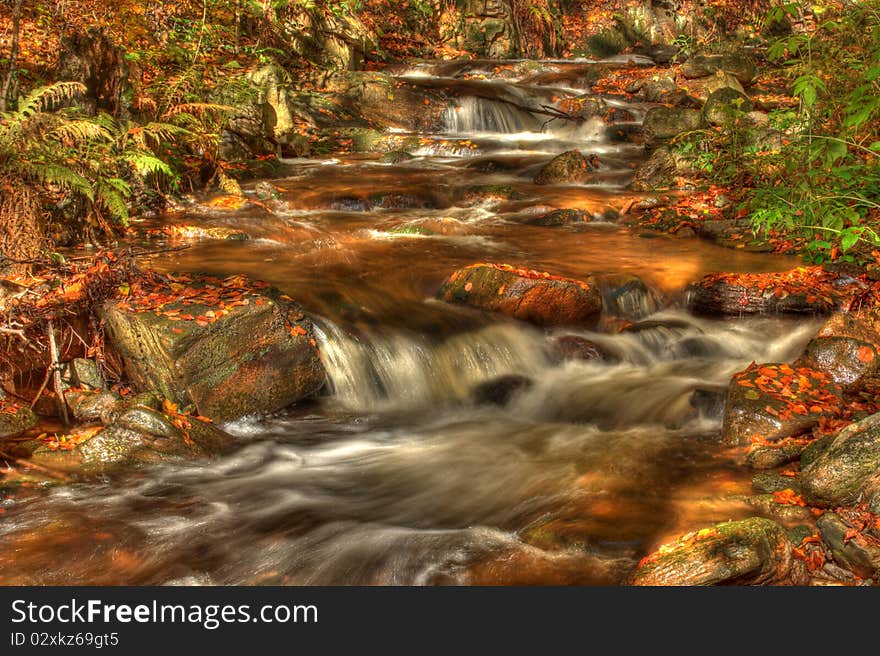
{"x":739,"y":65}
{"x":754,"y":551}
{"x":15,"y":419}
{"x":259,"y":356}
{"x":858,"y":553}
{"x":725,"y":105}
{"x":848,"y":471}
{"x":846,"y":348}
{"x":664,"y":123}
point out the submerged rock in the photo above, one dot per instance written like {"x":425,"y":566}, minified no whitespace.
{"x":559,"y":218}
{"x":499,"y":391}
{"x":531,"y":296}
{"x":569,"y":167}
{"x":848,"y":471}
{"x":767,"y":403}
{"x":230,"y":353}
{"x":754,"y":551}
{"x":575,"y":347}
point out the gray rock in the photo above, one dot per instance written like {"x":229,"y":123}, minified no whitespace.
{"x":739,"y":65}
{"x":859,"y":554}
{"x":664,"y":123}
{"x":725,"y":105}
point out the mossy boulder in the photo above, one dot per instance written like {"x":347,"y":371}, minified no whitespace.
{"x":848,"y":471}
{"x":228,"y":353}
{"x":753,"y":551}
{"x":741,"y":66}
{"x":15,"y":419}
{"x":664,"y":123}
{"x":538,"y":298}
{"x":725,"y":105}
{"x":847,"y":348}
{"x":770,"y":402}
{"x":569,"y":167}
{"x":660,"y":171}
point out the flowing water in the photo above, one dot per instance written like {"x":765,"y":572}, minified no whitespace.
{"x":398,"y":474}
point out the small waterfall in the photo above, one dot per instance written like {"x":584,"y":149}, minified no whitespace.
{"x":404,"y":372}
{"x":479,"y":115}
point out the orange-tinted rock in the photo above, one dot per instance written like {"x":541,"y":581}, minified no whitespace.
{"x":847,"y":349}
{"x":538,"y":298}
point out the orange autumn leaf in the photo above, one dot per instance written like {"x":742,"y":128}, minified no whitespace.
{"x":865,"y":354}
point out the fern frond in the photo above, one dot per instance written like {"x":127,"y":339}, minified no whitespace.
{"x":111,"y":197}
{"x":44,"y":98}
{"x":197,"y":109}
{"x":47,"y":173}
{"x":80,"y":132}
{"x":146,"y":164}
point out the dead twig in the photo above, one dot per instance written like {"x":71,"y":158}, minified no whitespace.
{"x":56,"y":373}
{"x":27,"y":464}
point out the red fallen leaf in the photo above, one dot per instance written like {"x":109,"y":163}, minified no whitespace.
{"x":769,"y":372}
{"x":865,"y":354}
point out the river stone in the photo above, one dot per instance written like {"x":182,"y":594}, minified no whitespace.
{"x":815,"y":449}
{"x":569,"y":167}
{"x":627,"y":296}
{"x":754,"y":551}
{"x":499,"y":391}
{"x":664,"y":123}
{"x":15,"y":419}
{"x":857,"y":553}
{"x":660,"y":171}
{"x":761,"y":407}
{"x":848,"y":350}
{"x":770,"y":482}
{"x":662,"y":90}
{"x":396,"y":157}
{"x":704,"y":87}
{"x":713,"y":296}
{"x":575,"y":347}
{"x":625,"y":133}
{"x":148,"y":421}
{"x":559,"y":218}
{"x":848,"y":472}
{"x":771,"y":456}
{"x":538,"y":298}
{"x":258,"y":357}
{"x":90,"y":405}
{"x":725,"y":105}
{"x":740,"y":66}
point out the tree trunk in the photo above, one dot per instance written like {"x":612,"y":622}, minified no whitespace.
{"x":13,"y":55}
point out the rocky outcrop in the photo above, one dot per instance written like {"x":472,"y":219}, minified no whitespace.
{"x":220,"y":346}
{"x":538,"y":298}
{"x":570,"y":167}
{"x":754,"y":551}
{"x":767,"y":403}
{"x":848,"y":471}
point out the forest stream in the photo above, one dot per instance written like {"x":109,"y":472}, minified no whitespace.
{"x":450,"y":446}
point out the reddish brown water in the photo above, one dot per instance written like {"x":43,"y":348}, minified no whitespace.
{"x":396,"y":476}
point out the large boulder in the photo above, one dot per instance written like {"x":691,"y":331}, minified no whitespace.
{"x":15,"y":419}
{"x":569,"y":167}
{"x":848,"y":471}
{"x":847,"y":348}
{"x":740,"y":66}
{"x":225,"y":346}
{"x":538,"y":298}
{"x":769,"y":402}
{"x":725,"y":105}
{"x":791,"y":292}
{"x":664,"y":123}
{"x":754,"y":551}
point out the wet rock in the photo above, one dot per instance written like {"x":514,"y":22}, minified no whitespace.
{"x":846,"y":348}
{"x":754,"y":551}
{"x":350,"y":204}
{"x":739,"y":295}
{"x":15,"y":419}
{"x":128,"y":444}
{"x":741,"y":66}
{"x":90,"y":405}
{"x":81,"y":372}
{"x":574,"y":347}
{"x":569,"y":167}
{"x":625,"y":133}
{"x":490,"y":193}
{"x":768,"y":505}
{"x":664,"y":123}
{"x":258,"y":356}
{"x":858,"y":553}
{"x":627,"y":297}
{"x":848,"y":472}
{"x":704,"y":87}
{"x":499,"y":391}
{"x":559,"y":218}
{"x":771,"y":456}
{"x":662,"y":90}
{"x":531,"y":296}
{"x":725,"y":105}
{"x":592,"y":106}
{"x":815,"y":449}
{"x":619,"y":115}
{"x":709,"y":402}
{"x":770,"y":482}
{"x":148,"y":421}
{"x":767,"y":403}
